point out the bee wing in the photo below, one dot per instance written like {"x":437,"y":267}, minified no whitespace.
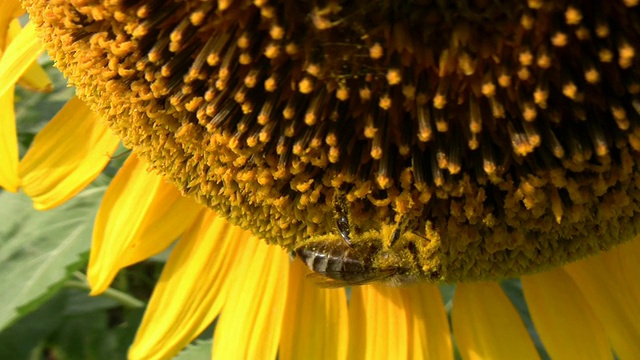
{"x":333,"y":280}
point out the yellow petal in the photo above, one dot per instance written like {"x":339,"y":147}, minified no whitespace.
{"x":315,"y":321}
{"x":192,"y":288}
{"x":430,"y":337}
{"x":66,"y":155}
{"x":8,"y":144}
{"x":378,"y":323}
{"x":140,"y":215}
{"x":9,"y":10}
{"x":251,"y":320}
{"x":34,"y":77}
{"x":563,"y":319}
{"x":486,"y":325}
{"x":18,"y":56}
{"x":612,"y":295}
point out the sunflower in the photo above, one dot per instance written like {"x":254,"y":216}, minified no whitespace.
{"x":463,"y":142}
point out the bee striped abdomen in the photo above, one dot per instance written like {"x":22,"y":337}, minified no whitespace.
{"x":335,"y":260}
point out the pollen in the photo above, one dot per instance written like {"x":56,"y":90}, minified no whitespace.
{"x":511,"y":131}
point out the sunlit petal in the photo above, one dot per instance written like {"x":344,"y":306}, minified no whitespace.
{"x":564,"y":320}
{"x":607,"y":288}
{"x":23,"y":50}
{"x":8,"y":144}
{"x":9,"y":10}
{"x":378,"y":323}
{"x":486,"y":325}
{"x":34,"y":77}
{"x":140,"y":215}
{"x":66,"y":155}
{"x":315,"y":321}
{"x":430,"y":337}
{"x":251,"y":320}
{"x":192,"y":288}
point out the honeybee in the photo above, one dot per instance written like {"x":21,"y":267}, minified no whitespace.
{"x":374,"y":256}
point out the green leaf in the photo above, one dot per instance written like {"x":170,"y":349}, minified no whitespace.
{"x":40,"y":250}
{"x":200,"y":350}
{"x":26,"y":338}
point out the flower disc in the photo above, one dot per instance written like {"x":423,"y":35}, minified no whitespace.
{"x":504,"y":134}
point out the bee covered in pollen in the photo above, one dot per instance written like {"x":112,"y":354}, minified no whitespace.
{"x":392,"y":255}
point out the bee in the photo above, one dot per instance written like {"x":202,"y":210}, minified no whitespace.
{"x":374,"y":256}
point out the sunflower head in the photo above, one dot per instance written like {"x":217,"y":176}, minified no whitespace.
{"x":502,"y":135}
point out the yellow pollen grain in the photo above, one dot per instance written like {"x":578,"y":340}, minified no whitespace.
{"x":570,"y":90}
{"x":527,"y":21}
{"x":376,"y":152}
{"x":385,"y":102}
{"x":272,"y":51}
{"x":370,"y":131}
{"x":529,"y":113}
{"x":305,"y":85}
{"x":544,"y":62}
{"x":245,"y":59}
{"x":488,"y":89}
{"x":224,"y":4}
{"x":630,"y":3}
{"x":342,"y":94}
{"x":276,"y":32}
{"x":197,"y":18}
{"x":143,"y":12}
{"x":314,"y":69}
{"x":291,"y":48}
{"x":439,"y":101}
{"x":376,"y":51}
{"x":540,"y":97}
{"x":394,"y":77}
{"x":525,"y":58}
{"x":365,"y":94}
{"x":559,"y":39}
{"x":270,"y":84}
{"x":535,"y":4}
{"x":602,"y":30}
{"x":592,"y":76}
{"x":288,"y":113}
{"x":243,"y":41}
{"x":504,"y":80}
{"x":572,"y":16}
{"x":267,"y":12}
{"x":524,"y":73}
{"x":605,"y":55}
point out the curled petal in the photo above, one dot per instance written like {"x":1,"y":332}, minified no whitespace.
{"x":66,"y":155}
{"x":140,"y":216}
{"x":9,"y":10}
{"x":34,"y":77}
{"x":23,"y":50}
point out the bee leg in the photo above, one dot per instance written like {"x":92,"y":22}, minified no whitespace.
{"x":397,"y":231}
{"x":342,"y":218}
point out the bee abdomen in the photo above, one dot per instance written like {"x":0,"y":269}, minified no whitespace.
{"x":337,"y":261}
